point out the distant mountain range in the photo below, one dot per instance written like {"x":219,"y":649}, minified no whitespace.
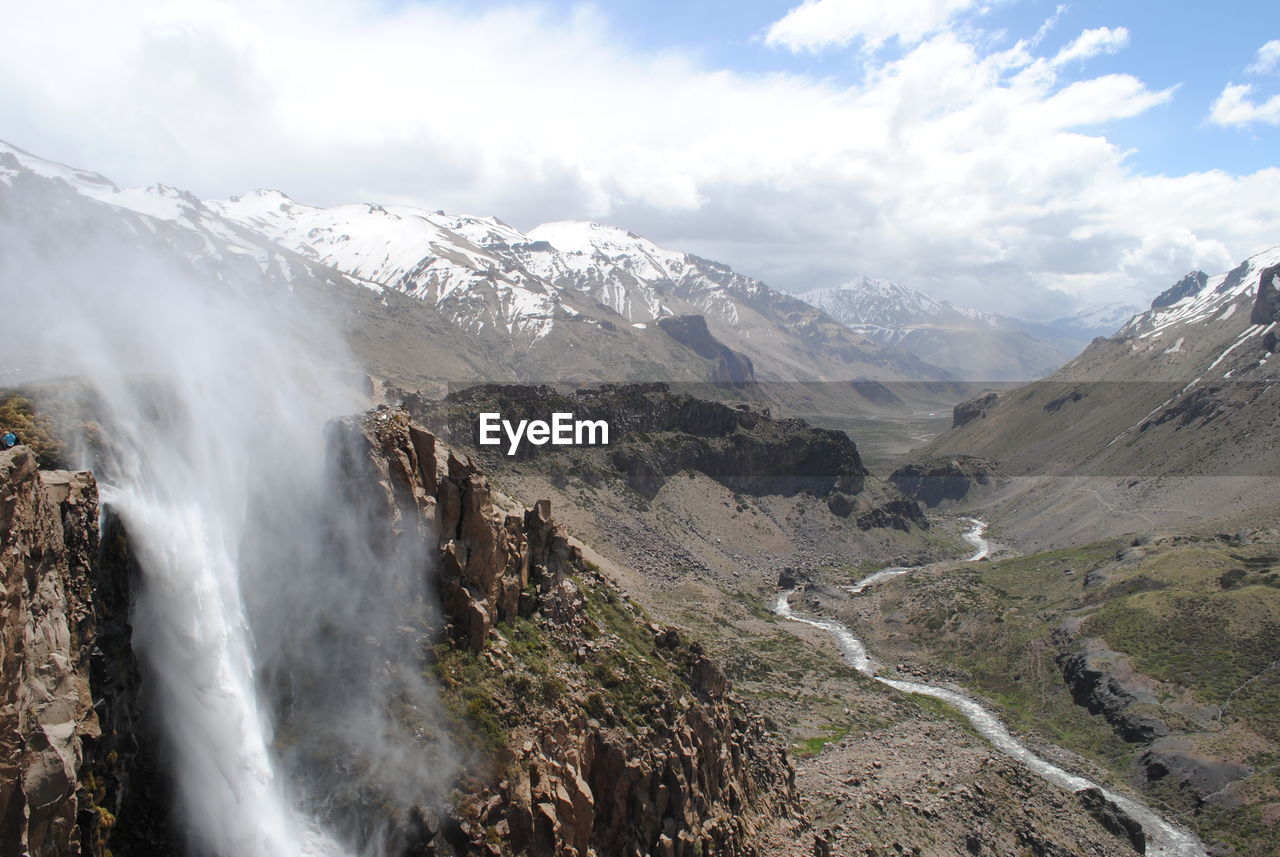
{"x":1098,"y":321}
{"x":976,"y":345}
{"x":1188,"y":388}
{"x":428,"y":298}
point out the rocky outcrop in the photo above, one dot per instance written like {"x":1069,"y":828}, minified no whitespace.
{"x":903,"y":515}
{"x":1103,"y":682}
{"x":130,"y":786}
{"x":939,"y":480}
{"x":1113,"y":818}
{"x":1199,"y":776}
{"x":657,"y":434}
{"x":1189,"y":285}
{"x":777,"y":459}
{"x":1266,"y":306}
{"x":628,"y":408}
{"x":966,"y":412}
{"x":694,"y":784}
{"x":49,"y":533}
{"x":488,"y":560}
{"x":634,"y":744}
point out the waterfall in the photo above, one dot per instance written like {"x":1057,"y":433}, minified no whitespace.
{"x":261,"y":602}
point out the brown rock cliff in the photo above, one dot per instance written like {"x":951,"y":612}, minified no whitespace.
{"x":48,"y":541}
{"x":640,"y":748}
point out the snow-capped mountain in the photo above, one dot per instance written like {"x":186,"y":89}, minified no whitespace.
{"x":974,"y":344}
{"x":425,"y":255}
{"x":1187,"y":387}
{"x":483,"y":274}
{"x":427,"y":297}
{"x":1104,"y":320}
{"x":887,"y":311}
{"x":1196,"y":302}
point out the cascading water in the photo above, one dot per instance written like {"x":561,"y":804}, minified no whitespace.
{"x":1163,"y":839}
{"x":259,"y":603}
{"x":190,"y":448}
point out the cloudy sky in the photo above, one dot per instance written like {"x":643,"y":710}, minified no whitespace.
{"x":1023,"y":156}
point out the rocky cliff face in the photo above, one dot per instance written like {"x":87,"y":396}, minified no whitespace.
{"x":658,"y":433}
{"x":583,"y":728}
{"x":1106,"y":683}
{"x":49,"y":533}
{"x":595,"y":730}
{"x":1266,"y":306}
{"x":966,"y":412}
{"x":938,"y":480}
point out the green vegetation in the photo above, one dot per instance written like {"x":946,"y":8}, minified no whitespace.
{"x":610,"y":667}
{"x":1222,"y":644}
{"x":815,"y":745}
{"x":19,"y":414}
{"x":1201,"y":615}
{"x":994,"y":628}
{"x":630,"y":673}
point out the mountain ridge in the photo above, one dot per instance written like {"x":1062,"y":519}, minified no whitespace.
{"x":1166,"y":421}
{"x":428,"y":299}
{"x":976,"y":344}
{"x":570,"y":269}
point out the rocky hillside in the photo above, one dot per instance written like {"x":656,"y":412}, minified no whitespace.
{"x":1186,"y":390}
{"x":583,"y":727}
{"x":605,"y":732}
{"x":974,"y":345}
{"x":659,"y":434}
{"x":934,"y":482}
{"x":1154,"y":657}
{"x":1185,"y":387}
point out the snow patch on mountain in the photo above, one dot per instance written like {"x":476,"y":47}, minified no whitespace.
{"x":1215,"y":302}
{"x":426,"y":255}
{"x":489,"y":278}
{"x":1102,"y":320}
{"x":886,"y":310}
{"x":205,"y":232}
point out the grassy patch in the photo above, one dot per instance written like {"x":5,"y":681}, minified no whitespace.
{"x":814,"y":745}
{"x":1198,"y":614}
{"x":1199,"y":642}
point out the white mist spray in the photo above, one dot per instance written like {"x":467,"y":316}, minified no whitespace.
{"x":232,"y":411}
{"x":215,"y":402}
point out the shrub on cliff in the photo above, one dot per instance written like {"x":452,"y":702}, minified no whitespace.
{"x":33,"y":428}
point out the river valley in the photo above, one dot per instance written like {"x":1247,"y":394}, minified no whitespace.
{"x":1163,"y":839}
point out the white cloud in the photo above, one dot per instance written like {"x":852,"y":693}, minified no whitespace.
{"x":1235,"y":107}
{"x":1049,"y":24}
{"x":1091,"y":43}
{"x":1267,"y":60}
{"x":981,"y":177}
{"x":819,"y":24}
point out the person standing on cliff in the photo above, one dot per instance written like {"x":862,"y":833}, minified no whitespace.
{"x":10,"y":440}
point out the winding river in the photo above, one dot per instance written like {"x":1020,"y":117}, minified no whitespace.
{"x":1163,"y":838}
